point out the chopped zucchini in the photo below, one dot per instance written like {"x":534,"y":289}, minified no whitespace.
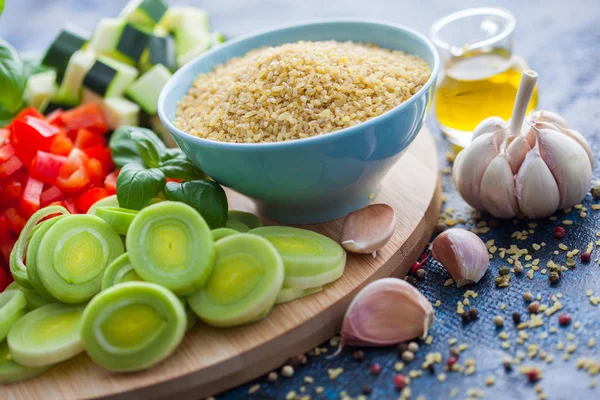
{"x":109,"y":78}
{"x":146,"y":89}
{"x":161,"y":50}
{"x":41,"y":88}
{"x":117,"y":111}
{"x":134,"y":40}
{"x":123,"y":41}
{"x":69,"y":92}
{"x":107,"y":35}
{"x":68,"y":41}
{"x":144,"y":12}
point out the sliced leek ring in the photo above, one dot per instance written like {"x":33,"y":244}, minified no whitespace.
{"x":169,"y":243}
{"x":249,"y":220}
{"x":35,"y":300}
{"x":47,"y":335}
{"x":236,"y":225}
{"x":310,"y":259}
{"x":110,"y":201}
{"x":133,"y":326}
{"x":220,"y":233}
{"x":288,"y":294}
{"x":247,"y":275}
{"x":118,"y":218}
{"x":11,"y":371}
{"x":119,"y":271}
{"x":73,"y":255}
{"x":12,"y":307}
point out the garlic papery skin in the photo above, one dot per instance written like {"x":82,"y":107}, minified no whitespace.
{"x":535,"y":187}
{"x":489,"y":125}
{"x":516,"y":150}
{"x":568,"y":162}
{"x":498,"y":189}
{"x":578,"y":137}
{"x":385,"y":312}
{"x":546,"y":116}
{"x":367,"y":230}
{"x":463,"y":254}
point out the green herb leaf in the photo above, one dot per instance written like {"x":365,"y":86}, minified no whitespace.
{"x":175,"y":164}
{"x":207,"y":197}
{"x":5,"y":116}
{"x":12,"y":77}
{"x":124,"y":149}
{"x":146,"y":148}
{"x":136,"y":186}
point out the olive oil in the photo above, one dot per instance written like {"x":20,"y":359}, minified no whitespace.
{"x":477,"y":86}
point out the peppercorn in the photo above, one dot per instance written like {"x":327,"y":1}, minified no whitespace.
{"x":596,"y":192}
{"x":375,"y":369}
{"x":408,"y":356}
{"x":554,"y":277}
{"x":518,"y":269}
{"x":451,"y":361}
{"x":533,"y":375}
{"x":498,"y":321}
{"x":507,"y":362}
{"x":431,"y":368}
{"x":413,"y":346}
{"x":516,"y":318}
{"x":301,"y":359}
{"x":465,"y":317}
{"x":402,"y":347}
{"x":527,"y":296}
{"x":564,"y":319}
{"x":415,"y":267}
{"x":366,"y":390}
{"x":411,"y":279}
{"x":504,"y":271}
{"x":272,"y":377}
{"x":420,"y":273}
{"x":534,"y":307}
{"x":359,"y":355}
{"x":454,"y":351}
{"x":474,"y":313}
{"x":400,"y":381}
{"x":293,"y":362}
{"x":585,"y":257}
{"x":558,"y":232}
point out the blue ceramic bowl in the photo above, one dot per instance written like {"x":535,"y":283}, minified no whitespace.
{"x":319,"y":178}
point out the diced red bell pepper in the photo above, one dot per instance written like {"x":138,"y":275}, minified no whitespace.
{"x":95,"y":172}
{"x":86,"y":138}
{"x":74,"y":175}
{"x":46,"y":167}
{"x":30,"y":134}
{"x":69,"y":204}
{"x":30,"y":199}
{"x":10,"y":166}
{"x":4,"y":233}
{"x":4,"y":135}
{"x":61,"y":145}
{"x":102,"y":154}
{"x":50,"y":195}
{"x":5,"y":279}
{"x":12,"y":190}
{"x":29,"y":112}
{"x":6,"y":152}
{"x":87,"y":116}
{"x":110,"y":182}
{"x":88,"y":198}
{"x":6,"y":247}
{"x":14,"y":221}
{"x":55,"y":117}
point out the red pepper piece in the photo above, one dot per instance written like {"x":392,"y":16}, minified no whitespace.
{"x":10,"y":166}
{"x":50,"y":195}
{"x":14,"y":221}
{"x":30,"y":134}
{"x":102,"y":154}
{"x":110,"y":182}
{"x":30,"y":199}
{"x":46,"y":167}
{"x":88,"y":116}
{"x":87,"y":199}
{"x":4,"y":279}
{"x":12,"y":190}
{"x":6,"y":152}
{"x":29,"y":111}
{"x":74,"y":176}
{"x":95,"y":172}
{"x":4,"y":135}
{"x":86,"y":138}
{"x":55,"y":117}
{"x":61,"y":145}
{"x":69,"y":204}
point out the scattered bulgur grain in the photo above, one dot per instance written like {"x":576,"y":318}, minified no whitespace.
{"x":272,"y":377}
{"x":254,"y":388}
{"x":498,"y":320}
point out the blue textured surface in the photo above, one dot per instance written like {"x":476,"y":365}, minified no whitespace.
{"x":561,"y":40}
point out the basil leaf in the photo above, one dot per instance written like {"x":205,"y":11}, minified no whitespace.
{"x":123,"y":147}
{"x":207,"y":197}
{"x":12,"y":77}
{"x":136,"y":186}
{"x":181,"y":168}
{"x":170,"y":154}
{"x":5,"y":116}
{"x":146,"y":148}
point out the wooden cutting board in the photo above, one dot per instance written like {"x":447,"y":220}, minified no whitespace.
{"x":211,"y":360}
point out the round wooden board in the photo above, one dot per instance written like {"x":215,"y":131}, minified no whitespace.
{"x":211,"y":360}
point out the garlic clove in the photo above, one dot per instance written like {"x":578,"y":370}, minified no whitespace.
{"x":385,"y":312}
{"x":498,"y":189}
{"x":488,"y":125}
{"x":471,"y":164}
{"x":568,"y":162}
{"x":536,"y":190}
{"x":516,"y":150}
{"x":368,"y":229}
{"x":546,"y":116}
{"x":579,"y":138}
{"x":462,"y":253}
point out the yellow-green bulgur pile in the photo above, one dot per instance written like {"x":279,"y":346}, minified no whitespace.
{"x":298,"y":90}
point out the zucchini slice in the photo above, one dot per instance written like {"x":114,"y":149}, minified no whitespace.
{"x":310,"y":259}
{"x":110,"y":201}
{"x":169,"y":243}
{"x":289,"y":294}
{"x":246,"y":278}
{"x":133,"y":41}
{"x":109,"y":78}
{"x":47,"y":335}
{"x":119,"y":271}
{"x":12,"y":307}
{"x":161,"y":50}
{"x":133,"y":326}
{"x":67,"y":42}
{"x":69,"y":92}
{"x":73,"y":255}
{"x":250,"y":220}
{"x":146,"y":89}
{"x":220,"y":233}
{"x":40,"y":89}
{"x":11,"y":372}
{"x":118,"y":218}
{"x":144,"y":12}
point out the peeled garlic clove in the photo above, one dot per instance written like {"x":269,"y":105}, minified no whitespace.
{"x":568,"y":162}
{"x":516,"y":151}
{"x":579,"y":138}
{"x":498,"y":189}
{"x":367,"y":230}
{"x":385,"y":312}
{"x":462,"y":253}
{"x":488,"y":125}
{"x":472,"y":162}
{"x":536,"y":190}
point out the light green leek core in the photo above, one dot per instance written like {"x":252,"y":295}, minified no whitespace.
{"x":119,"y":271}
{"x":236,"y":276}
{"x":78,"y":254}
{"x":11,"y":371}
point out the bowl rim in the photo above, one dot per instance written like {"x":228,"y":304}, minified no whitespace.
{"x":177,"y":76}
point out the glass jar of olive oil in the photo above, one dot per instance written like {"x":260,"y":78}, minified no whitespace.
{"x":481,"y":75}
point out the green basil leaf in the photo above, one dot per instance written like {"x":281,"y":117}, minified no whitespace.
{"x":12,"y":77}
{"x":207,"y":197}
{"x":170,"y":154}
{"x":5,"y":116}
{"x":136,"y":186}
{"x":181,"y":168}
{"x":146,"y":148}
{"x":124,"y":149}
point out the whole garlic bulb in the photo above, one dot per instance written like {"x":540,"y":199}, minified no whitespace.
{"x":533,"y":168}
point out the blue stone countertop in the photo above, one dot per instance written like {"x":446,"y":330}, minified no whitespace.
{"x":561,"y":40}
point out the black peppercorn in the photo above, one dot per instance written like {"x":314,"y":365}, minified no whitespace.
{"x":402,"y":347}
{"x":411,"y":279}
{"x":554,"y":277}
{"x":366,"y":389}
{"x":359,"y":355}
{"x":473,"y":313}
{"x":465,"y":317}
{"x":516,"y":318}
{"x":431,"y":368}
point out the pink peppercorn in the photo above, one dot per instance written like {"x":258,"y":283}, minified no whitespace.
{"x":558,"y":232}
{"x":416,"y":266}
{"x":451,"y":361}
{"x":533,"y":375}
{"x":585,"y":257}
{"x":375,"y":369}
{"x":400,"y":381}
{"x":564,"y":319}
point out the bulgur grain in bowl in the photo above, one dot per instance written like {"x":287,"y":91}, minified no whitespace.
{"x":331,"y":168}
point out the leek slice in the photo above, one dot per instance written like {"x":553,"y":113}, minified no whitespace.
{"x":133,"y":326}
{"x":247,"y":275}
{"x":310,"y":259}
{"x":220,"y":233}
{"x":17,"y":266}
{"x":12,"y":307}
{"x":35,"y":300}
{"x":110,"y":201}
{"x":11,"y":372}
{"x":118,"y":218}
{"x":236,"y":225}
{"x":289,"y":294}
{"x":119,"y":271}
{"x":169,"y":243}
{"x":73,"y":255}
{"x":250,"y":220}
{"x":47,"y":335}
